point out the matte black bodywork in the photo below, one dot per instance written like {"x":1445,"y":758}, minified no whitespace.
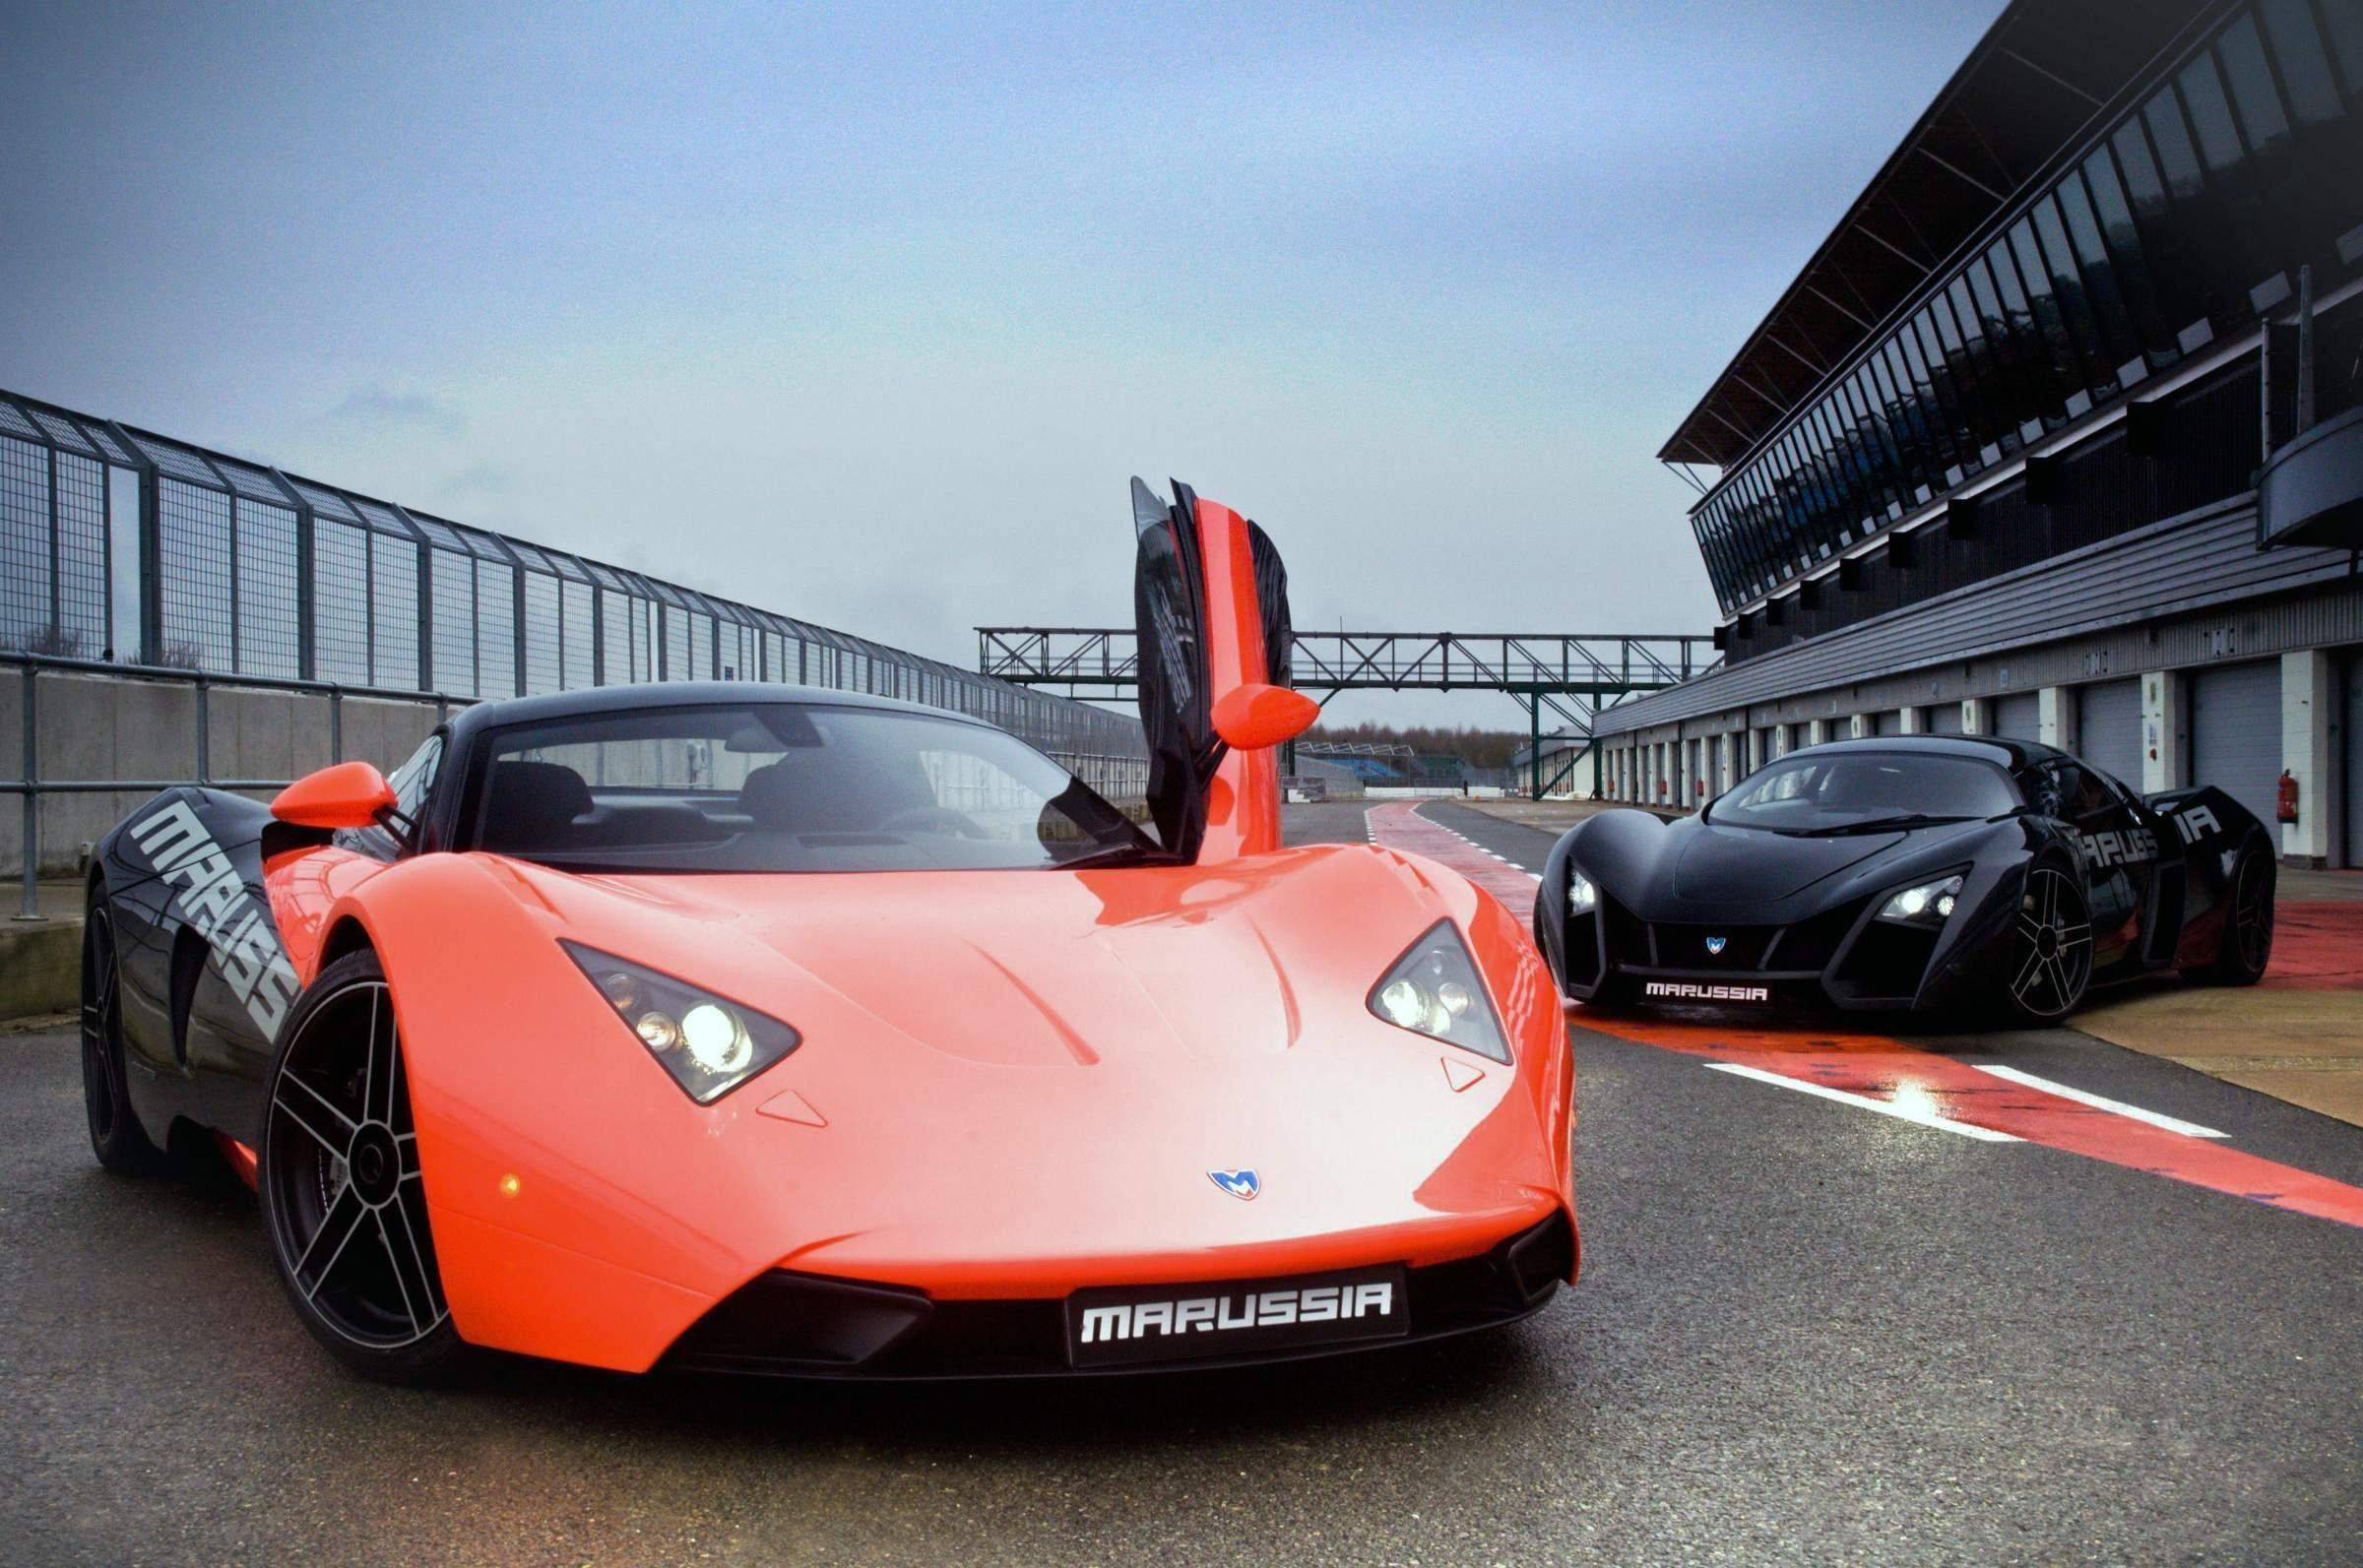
{"x":204,"y":979}
{"x":1697,"y":910}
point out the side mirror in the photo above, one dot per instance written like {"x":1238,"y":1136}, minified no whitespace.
{"x":1255,"y":716}
{"x":350,"y":795}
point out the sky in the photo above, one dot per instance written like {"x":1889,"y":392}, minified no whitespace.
{"x":866,"y":314}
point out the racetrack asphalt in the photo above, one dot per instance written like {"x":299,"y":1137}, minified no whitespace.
{"x":1804,"y":1333}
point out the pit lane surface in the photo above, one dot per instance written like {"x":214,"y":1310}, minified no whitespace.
{"x":1804,"y":1331}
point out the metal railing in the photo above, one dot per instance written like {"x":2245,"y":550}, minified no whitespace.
{"x":121,"y":545}
{"x":1121,"y":777}
{"x":29,"y":786}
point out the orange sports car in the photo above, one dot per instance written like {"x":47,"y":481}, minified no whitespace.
{"x":778,"y":1031}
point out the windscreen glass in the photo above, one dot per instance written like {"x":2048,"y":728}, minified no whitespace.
{"x":786,"y":787}
{"x":1839,"y":790}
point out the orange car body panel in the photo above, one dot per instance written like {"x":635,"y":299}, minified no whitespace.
{"x":1011,"y":1083}
{"x":1243,"y":806}
{"x":1020,"y":1080}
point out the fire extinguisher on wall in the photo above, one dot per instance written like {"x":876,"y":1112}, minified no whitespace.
{"x":2284,"y":807}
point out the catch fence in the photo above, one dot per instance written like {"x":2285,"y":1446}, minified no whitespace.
{"x":126,"y":548}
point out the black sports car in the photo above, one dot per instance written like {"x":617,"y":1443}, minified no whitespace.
{"x":1920,"y":872}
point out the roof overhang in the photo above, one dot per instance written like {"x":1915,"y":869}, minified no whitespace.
{"x":2026,"y":93}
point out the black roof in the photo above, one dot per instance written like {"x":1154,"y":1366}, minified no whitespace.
{"x":2044,"y":72}
{"x":474,"y":719}
{"x":1982,"y":748}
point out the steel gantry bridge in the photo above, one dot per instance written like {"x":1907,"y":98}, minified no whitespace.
{"x":1574,"y":675}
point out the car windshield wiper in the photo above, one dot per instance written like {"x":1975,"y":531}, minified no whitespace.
{"x":1120,"y":855}
{"x":1875,"y":825}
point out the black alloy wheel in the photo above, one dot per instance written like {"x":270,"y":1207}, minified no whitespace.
{"x":2049,"y":961}
{"x":2245,"y":947}
{"x":341,"y":1192}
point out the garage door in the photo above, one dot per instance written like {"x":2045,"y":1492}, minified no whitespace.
{"x":2019,"y":717}
{"x":1945,"y":719}
{"x":2109,"y":729}
{"x":1887,"y":723}
{"x":2236,"y":733}
{"x":2353,"y":719}
{"x":1693,"y":770}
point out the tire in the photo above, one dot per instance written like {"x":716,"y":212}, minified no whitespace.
{"x":118,"y":1140}
{"x":342,"y":1200}
{"x":2246,"y":950}
{"x":1544,"y":946}
{"x":2047,"y":964}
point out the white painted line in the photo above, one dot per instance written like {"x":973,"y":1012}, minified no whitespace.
{"x":1916,"y":1115}
{"x":2189,"y":1129}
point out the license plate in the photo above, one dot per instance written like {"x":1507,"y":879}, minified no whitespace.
{"x":1127,"y":1325}
{"x":1706,"y":991}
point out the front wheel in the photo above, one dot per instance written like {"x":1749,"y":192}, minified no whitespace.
{"x":2246,"y":946}
{"x":341,"y":1194}
{"x":2048,"y":955}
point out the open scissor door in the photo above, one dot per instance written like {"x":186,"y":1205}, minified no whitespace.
{"x":1210,"y":605}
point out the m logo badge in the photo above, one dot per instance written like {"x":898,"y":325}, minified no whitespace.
{"x":1237,"y":1183}
{"x":1715,"y":946}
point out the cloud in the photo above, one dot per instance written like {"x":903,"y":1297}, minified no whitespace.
{"x":483,"y":478}
{"x":381,"y":407}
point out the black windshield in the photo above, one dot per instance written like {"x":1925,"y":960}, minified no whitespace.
{"x":1841,"y":790}
{"x":786,"y":787}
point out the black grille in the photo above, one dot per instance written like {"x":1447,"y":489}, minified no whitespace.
{"x":1812,"y":943}
{"x":1583,"y":950}
{"x":1885,"y":964}
{"x":783,"y":1324}
{"x":1627,"y":937}
{"x":1713,"y":947}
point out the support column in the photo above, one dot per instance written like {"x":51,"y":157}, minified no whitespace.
{"x":1915,"y":722}
{"x":1861,"y":727}
{"x":1973,"y":716}
{"x":1817,"y":732}
{"x":1534,"y":748}
{"x":1780,"y":741}
{"x":2055,"y":717}
{"x":2165,"y":732}
{"x":2308,"y":698}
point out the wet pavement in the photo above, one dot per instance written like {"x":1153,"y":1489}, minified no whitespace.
{"x":1805,"y":1331}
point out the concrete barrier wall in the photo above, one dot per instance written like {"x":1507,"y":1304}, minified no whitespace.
{"x":110,"y":727}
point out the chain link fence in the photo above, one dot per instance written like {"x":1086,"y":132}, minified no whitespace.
{"x":122,"y":547}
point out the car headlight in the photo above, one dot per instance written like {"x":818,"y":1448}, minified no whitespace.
{"x":708,"y":1044}
{"x":1928,"y":906}
{"x":1434,"y":989}
{"x":1582,"y":897}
